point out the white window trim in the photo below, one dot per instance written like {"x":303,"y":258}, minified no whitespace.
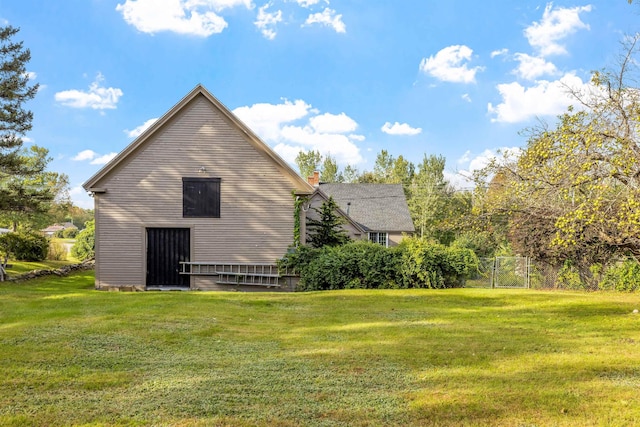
{"x":377,"y":237}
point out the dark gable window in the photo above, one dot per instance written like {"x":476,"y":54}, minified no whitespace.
{"x":201,"y":197}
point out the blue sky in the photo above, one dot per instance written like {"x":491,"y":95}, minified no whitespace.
{"x":458,"y":78}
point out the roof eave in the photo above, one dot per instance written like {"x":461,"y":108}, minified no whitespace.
{"x":301,"y":185}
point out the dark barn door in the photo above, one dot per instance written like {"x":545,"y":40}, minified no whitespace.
{"x":166,"y":247}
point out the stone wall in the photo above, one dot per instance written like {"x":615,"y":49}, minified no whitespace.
{"x":62,"y":271}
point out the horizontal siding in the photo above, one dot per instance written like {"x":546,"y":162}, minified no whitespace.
{"x":395,"y":238}
{"x":256,"y":223}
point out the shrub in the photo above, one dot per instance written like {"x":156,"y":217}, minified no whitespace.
{"x":84,"y":248}
{"x":622,"y":277}
{"x":24,"y":246}
{"x":57,"y":252}
{"x":70,"y":233}
{"x":427,"y":264}
{"x":367,"y":265}
{"x":569,"y":277}
{"x":360,"y":264}
{"x":59,"y":234}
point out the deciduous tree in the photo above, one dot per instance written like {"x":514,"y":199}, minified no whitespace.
{"x":574,"y":192}
{"x":308,"y":162}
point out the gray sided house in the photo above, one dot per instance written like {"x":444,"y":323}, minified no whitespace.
{"x":376,"y":212}
{"x":197,"y":187}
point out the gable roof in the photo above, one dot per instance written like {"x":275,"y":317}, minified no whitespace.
{"x":341,"y":212}
{"x":376,"y":207}
{"x":301,"y":185}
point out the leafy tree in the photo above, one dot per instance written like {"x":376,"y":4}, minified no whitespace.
{"x":85,"y":245}
{"x":402,"y":172}
{"x":429,"y":196}
{"x":383,"y":167}
{"x":327,"y":229}
{"x":67,"y":212}
{"x":308,"y":162}
{"x":329,"y":171}
{"x":390,"y":170}
{"x":573,"y":195}
{"x":350,"y":174}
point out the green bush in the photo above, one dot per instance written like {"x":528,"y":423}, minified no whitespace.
{"x":59,"y":234}
{"x":427,"y":264}
{"x":85,"y":245}
{"x":622,"y":277}
{"x":24,"y":246}
{"x":366,"y":265}
{"x":69,"y":233}
{"x":569,"y":277}
{"x":360,"y":264}
{"x":57,"y":252}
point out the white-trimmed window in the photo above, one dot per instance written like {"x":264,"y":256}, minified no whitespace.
{"x":380,"y":238}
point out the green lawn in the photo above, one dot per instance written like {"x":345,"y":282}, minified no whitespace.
{"x":74,"y":356}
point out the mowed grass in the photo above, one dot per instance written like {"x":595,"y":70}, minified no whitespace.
{"x":70,"y":355}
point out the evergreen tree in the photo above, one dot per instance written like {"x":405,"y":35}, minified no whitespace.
{"x":22,"y":178}
{"x":15,"y":90}
{"x":327,"y":229}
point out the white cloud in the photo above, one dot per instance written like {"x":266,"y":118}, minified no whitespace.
{"x":546,"y":98}
{"x":400,"y":129}
{"x":218,"y":4}
{"x":280,"y":125}
{"x":95,"y":158}
{"x":84,"y":155}
{"x":451,"y":65}
{"x":308,"y":3}
{"x":333,"y":123}
{"x":31,"y":75}
{"x":532,"y":67}
{"x":466,"y":97}
{"x":138,"y":131}
{"x":357,"y":137}
{"x":101,"y":160}
{"x":338,"y":145}
{"x":97,"y":98}
{"x":466,"y":157}
{"x":266,"y":22}
{"x":193,"y":17}
{"x":500,"y":52}
{"x":329,"y":18}
{"x":556,"y":24}
{"x":463,"y":178}
{"x":266,"y":119}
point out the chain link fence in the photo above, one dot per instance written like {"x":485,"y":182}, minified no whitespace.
{"x":513,"y":273}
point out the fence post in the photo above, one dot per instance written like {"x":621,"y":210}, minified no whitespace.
{"x":494,"y":268}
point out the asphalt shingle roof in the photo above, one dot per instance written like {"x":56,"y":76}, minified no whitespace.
{"x":376,"y":207}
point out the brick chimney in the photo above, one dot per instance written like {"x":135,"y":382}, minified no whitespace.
{"x":314,"y":180}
